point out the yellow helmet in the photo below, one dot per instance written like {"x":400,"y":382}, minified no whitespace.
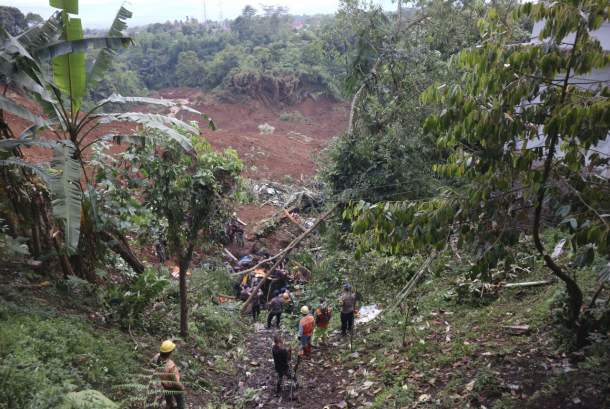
{"x":167,"y":346}
{"x":304,"y":310}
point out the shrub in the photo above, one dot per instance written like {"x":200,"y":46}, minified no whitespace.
{"x":129,"y":301}
{"x":294,"y":116}
{"x":43,"y":357}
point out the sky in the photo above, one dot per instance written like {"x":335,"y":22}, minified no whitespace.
{"x":99,"y":13}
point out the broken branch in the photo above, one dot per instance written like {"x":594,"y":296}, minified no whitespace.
{"x":282,"y":255}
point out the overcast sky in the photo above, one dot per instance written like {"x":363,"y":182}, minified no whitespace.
{"x":99,"y":13}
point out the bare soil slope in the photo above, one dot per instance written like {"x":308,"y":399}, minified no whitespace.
{"x":289,"y":151}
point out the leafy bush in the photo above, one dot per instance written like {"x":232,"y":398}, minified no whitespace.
{"x":44,"y":356}
{"x":9,"y":245}
{"x":87,"y":399}
{"x":130,"y":300}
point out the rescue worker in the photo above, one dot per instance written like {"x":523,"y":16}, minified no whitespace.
{"x":245,"y":293}
{"x":322,"y":315}
{"x":288,"y":300}
{"x":276,"y":307}
{"x":256,"y":304}
{"x":306,"y":326}
{"x":169,"y":375}
{"x":281,"y":361}
{"x":235,"y":231}
{"x":348,"y":305}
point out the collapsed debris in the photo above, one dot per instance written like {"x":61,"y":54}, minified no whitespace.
{"x":368,"y":313}
{"x":285,"y":196}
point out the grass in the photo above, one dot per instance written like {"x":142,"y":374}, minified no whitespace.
{"x":46,"y":354}
{"x":49,"y":346}
{"x":456,"y":349}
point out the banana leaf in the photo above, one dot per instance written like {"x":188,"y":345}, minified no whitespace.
{"x":162,"y":123}
{"x":34,"y":168}
{"x":70,"y":6}
{"x":66,"y":193}
{"x":169,"y":103}
{"x":10,"y":144}
{"x":69,"y":68}
{"x":59,"y":48}
{"x":23,"y":74}
{"x":39,"y":35}
{"x":15,"y":109}
{"x":105,"y":56}
{"x":11,"y":46}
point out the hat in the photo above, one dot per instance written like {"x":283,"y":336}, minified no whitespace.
{"x":304,"y":310}
{"x":167,"y":346}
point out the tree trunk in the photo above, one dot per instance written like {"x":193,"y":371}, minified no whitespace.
{"x":119,"y":245}
{"x":184,"y":309}
{"x":575,"y":296}
{"x":282,"y":255}
{"x":57,"y":244}
{"x":36,"y":246}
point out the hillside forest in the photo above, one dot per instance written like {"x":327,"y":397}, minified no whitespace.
{"x":376,"y":208}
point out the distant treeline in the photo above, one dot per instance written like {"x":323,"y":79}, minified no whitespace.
{"x":270,"y":55}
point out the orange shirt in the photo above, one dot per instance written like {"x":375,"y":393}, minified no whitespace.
{"x":169,"y":375}
{"x":307,"y":323}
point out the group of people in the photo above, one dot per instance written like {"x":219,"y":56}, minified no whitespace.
{"x":312,"y":328}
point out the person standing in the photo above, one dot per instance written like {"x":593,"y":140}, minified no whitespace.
{"x":256,"y":304}
{"x":348,"y":305}
{"x":322,"y":316}
{"x":276,"y":307}
{"x":281,"y":361}
{"x":169,"y":374}
{"x":306,"y":326}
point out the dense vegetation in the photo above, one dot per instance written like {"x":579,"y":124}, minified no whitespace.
{"x":471,"y":194}
{"x":271,"y":55}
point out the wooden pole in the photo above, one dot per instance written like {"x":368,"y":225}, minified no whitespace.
{"x":528,"y":284}
{"x":282,"y":255}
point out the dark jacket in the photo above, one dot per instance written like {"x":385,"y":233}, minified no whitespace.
{"x":276,"y":305}
{"x":281,"y":359}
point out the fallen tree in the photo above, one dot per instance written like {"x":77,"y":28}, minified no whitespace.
{"x":281,"y":256}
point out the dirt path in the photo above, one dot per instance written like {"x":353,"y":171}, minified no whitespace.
{"x":323,"y":379}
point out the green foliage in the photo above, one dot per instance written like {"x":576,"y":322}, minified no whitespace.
{"x":512,"y":99}
{"x":385,"y":154}
{"x":44,"y":356}
{"x":69,"y":69}
{"x":256,"y":52}
{"x":65,"y":186}
{"x":87,"y":399}
{"x":190,"y":71}
{"x":128,"y":302}
{"x":186,"y":190}
{"x":12,"y":20}
{"x":143,"y":391}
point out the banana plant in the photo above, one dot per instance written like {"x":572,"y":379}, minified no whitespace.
{"x":47,"y":63}
{"x":59,"y":43}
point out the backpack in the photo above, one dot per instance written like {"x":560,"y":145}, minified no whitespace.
{"x":323,"y":317}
